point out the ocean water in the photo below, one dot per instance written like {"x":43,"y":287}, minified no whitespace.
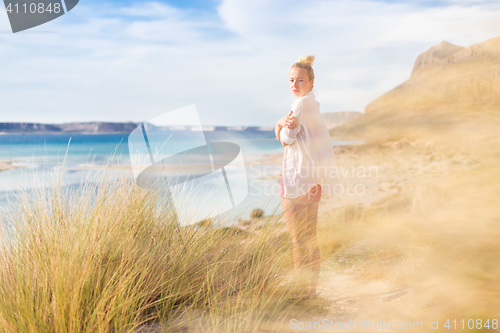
{"x":77,"y":158}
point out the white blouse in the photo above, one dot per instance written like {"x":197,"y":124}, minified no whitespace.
{"x":309,"y":158}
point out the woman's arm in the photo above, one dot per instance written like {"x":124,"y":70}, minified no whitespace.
{"x":288,"y":135}
{"x":277,"y":129}
{"x":287,"y":121}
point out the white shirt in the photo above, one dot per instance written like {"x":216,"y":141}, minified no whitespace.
{"x":309,"y":158}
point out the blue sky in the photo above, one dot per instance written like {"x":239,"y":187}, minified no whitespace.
{"x":133,"y":60}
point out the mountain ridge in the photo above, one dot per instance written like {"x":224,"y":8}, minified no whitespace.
{"x":446,"y":53}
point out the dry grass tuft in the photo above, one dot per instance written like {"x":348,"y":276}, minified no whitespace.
{"x":112,"y":258}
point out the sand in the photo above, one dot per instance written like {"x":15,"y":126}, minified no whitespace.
{"x":7,"y":165}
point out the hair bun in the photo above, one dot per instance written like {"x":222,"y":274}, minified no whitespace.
{"x":308,"y":59}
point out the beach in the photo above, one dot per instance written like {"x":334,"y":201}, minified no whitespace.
{"x":389,"y":245}
{"x":397,"y":238}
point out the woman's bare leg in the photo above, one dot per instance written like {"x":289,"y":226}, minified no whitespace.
{"x":294,"y":213}
{"x":301,"y":220}
{"x":314,"y":260}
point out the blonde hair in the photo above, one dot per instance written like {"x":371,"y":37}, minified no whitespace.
{"x":306,"y":61}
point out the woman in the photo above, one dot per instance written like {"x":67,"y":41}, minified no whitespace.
{"x":309,"y":168}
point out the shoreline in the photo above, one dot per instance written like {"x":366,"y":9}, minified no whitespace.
{"x":357,"y":189}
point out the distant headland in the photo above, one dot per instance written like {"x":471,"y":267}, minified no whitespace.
{"x":332,"y":119}
{"x":106,"y":128}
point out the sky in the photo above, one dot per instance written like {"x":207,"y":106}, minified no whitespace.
{"x":119,"y":61}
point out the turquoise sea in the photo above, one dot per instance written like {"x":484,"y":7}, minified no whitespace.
{"x":77,"y":157}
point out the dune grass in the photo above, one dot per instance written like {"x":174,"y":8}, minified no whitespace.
{"x":111,"y":258}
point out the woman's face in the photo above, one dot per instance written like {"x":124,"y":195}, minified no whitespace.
{"x":299,"y":81}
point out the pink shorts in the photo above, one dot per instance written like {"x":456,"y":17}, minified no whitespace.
{"x":313,"y":195}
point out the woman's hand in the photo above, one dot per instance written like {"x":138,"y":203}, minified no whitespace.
{"x":289,"y":121}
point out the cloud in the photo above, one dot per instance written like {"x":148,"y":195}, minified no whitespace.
{"x":362,"y":42}
{"x":358,"y":23}
{"x":120,"y":63}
